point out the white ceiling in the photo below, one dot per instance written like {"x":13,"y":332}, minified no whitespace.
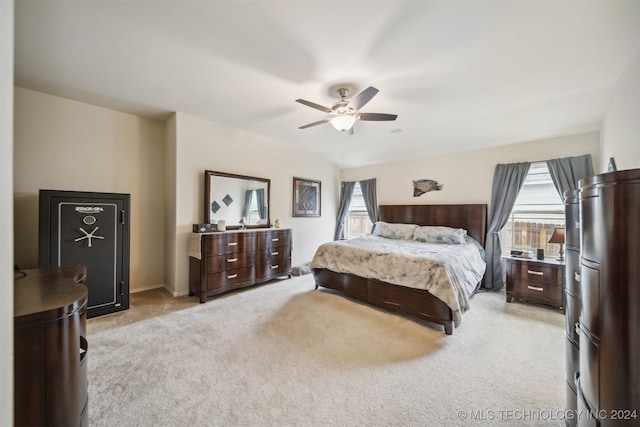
{"x":460,"y":74}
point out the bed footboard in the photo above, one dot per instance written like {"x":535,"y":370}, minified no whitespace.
{"x":416,"y":302}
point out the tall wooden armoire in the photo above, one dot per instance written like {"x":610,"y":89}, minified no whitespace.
{"x":91,"y":229}
{"x":608,"y":383}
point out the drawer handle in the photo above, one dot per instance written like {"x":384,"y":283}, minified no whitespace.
{"x":274,"y":253}
{"x":537,"y":273}
{"x":232,"y":260}
{"x":273,"y":267}
{"x":576,"y":224}
{"x":232,"y":276}
{"x":535,"y":288}
{"x":232,"y":243}
{"x":577,"y":327}
{"x":275,"y":239}
{"x":576,"y":276}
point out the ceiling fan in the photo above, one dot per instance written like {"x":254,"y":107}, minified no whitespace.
{"x":344,"y":113}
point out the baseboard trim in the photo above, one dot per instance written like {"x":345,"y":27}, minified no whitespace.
{"x":148,"y":288}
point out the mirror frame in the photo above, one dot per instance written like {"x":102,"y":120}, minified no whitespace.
{"x":208,"y":174}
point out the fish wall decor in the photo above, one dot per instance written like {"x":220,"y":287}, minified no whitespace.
{"x":422,"y":186}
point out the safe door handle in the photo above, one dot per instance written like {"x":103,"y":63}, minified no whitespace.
{"x":232,"y":243}
{"x":535,"y":288}
{"x":232,"y":260}
{"x":537,"y":273}
{"x":232,"y":276}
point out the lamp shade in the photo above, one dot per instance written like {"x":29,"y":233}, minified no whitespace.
{"x":343,"y":122}
{"x":557,"y":236}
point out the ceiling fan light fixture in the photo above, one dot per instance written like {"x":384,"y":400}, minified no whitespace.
{"x":343,"y":122}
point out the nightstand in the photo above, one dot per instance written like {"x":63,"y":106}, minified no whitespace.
{"x":534,"y":280}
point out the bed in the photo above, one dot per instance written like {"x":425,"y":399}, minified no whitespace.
{"x":409,"y":300}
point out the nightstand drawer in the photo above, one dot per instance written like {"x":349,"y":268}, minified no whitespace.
{"x":537,"y":272}
{"x":536,"y":291}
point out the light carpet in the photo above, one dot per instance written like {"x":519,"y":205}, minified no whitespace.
{"x":284,"y":354}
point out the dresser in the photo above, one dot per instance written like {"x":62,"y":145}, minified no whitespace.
{"x":608,"y":383}
{"x":572,"y":299}
{"x":50,"y":347}
{"x":237,"y":259}
{"x":534,"y":280}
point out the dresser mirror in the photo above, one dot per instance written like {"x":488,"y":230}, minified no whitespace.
{"x":239,"y":200}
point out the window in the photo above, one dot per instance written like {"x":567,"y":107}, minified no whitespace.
{"x":357,"y":222}
{"x":536,"y":212}
{"x":254,"y":214}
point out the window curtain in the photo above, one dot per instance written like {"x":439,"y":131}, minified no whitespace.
{"x":566,"y":172}
{"x":247,"y":203}
{"x":346,"y":191}
{"x":507,"y":181}
{"x":370,"y":194}
{"x":262,"y":209}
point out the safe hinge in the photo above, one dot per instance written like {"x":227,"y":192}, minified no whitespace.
{"x":121,"y":288}
{"x":122,"y":216}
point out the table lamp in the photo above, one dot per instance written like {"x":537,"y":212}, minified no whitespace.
{"x":558,"y":237}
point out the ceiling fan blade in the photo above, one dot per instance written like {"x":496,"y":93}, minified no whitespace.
{"x":314,"y":124}
{"x":377,"y":117}
{"x":358,"y":101}
{"x":313,"y":105}
{"x":349,"y":131}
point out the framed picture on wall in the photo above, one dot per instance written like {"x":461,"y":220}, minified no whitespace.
{"x":306,"y":197}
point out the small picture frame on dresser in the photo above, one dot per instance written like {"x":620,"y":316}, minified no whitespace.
{"x":612,"y":165}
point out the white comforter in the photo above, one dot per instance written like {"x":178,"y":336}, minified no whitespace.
{"x":449,"y":272}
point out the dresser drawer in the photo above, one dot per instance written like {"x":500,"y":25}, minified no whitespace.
{"x":591,"y":236}
{"x":537,"y":272}
{"x":274,"y":239}
{"x":538,"y":292}
{"x":269,"y":270}
{"x":590,"y":369}
{"x":589,"y":297}
{"x":218,"y":263}
{"x":572,"y":362}
{"x":572,"y":317}
{"x":225,"y":243}
{"x":229,"y":279}
{"x":572,"y":272}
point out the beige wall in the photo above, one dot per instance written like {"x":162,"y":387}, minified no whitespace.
{"x":67,"y":145}
{"x":466,"y":177}
{"x":202,"y":145}
{"x":6,"y":212}
{"x":620,"y":135}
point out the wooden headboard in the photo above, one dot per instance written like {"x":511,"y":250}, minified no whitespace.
{"x":472,"y":218}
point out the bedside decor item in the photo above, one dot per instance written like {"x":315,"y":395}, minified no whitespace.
{"x":422,"y":186}
{"x":612,"y":165}
{"x":540,"y":254}
{"x":277,"y":223}
{"x":558,"y":237}
{"x":222,"y":225}
{"x":306,"y":197}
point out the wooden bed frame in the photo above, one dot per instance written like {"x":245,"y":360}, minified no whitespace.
{"x":417,"y":302}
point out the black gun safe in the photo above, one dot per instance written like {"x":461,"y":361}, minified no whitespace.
{"x":91,"y":229}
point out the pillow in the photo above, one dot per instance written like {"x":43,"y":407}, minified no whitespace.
{"x":438,"y":234}
{"x":394,"y":231}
